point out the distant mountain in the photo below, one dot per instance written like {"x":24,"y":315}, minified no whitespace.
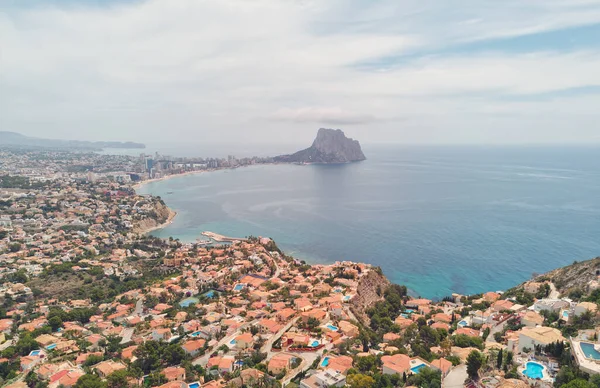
{"x":330,"y":146}
{"x":18,"y":140}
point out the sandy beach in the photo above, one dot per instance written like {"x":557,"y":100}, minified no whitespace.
{"x":164,"y":178}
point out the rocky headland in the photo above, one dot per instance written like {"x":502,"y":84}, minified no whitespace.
{"x":331,"y":146}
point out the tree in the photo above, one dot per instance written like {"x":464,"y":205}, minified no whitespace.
{"x":509,"y":360}
{"x":90,"y":381}
{"x":118,"y":379}
{"x":360,"y":381}
{"x":312,"y":323}
{"x":446,"y":346}
{"x":499,"y":361}
{"x":578,"y":383}
{"x":426,"y":378}
{"x":55,"y":323}
{"x":475,"y":360}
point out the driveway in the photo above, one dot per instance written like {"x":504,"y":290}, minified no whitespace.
{"x":456,"y":378}
{"x":203,"y":360}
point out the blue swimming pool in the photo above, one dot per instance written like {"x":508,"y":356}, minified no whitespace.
{"x":232,"y":342}
{"x":566,"y":314}
{"x":195,"y":334}
{"x":238,"y":287}
{"x":325,"y":362}
{"x":409,"y":311}
{"x":314,"y":344}
{"x":589,"y":351}
{"x":51,"y":346}
{"x":188,"y":301}
{"x":462,"y":323}
{"x":534,"y":370}
{"x":194,"y":385}
{"x":35,"y":353}
{"x":332,"y":328}
{"x":209,"y":294}
{"x":347,"y":298}
{"x":417,"y":369}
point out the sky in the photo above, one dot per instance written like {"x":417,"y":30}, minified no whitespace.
{"x":274,"y":71}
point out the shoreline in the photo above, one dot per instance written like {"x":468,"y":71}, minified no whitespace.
{"x":168,"y":221}
{"x":139,"y":185}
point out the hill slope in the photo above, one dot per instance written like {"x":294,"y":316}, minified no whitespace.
{"x":18,"y":140}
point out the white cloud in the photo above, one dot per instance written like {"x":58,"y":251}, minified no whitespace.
{"x":335,"y":116}
{"x":207,"y":69}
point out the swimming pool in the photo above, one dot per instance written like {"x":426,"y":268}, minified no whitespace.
{"x":589,"y":351}
{"x":409,"y":311}
{"x":347,"y":298}
{"x":35,"y":353}
{"x":195,"y":334}
{"x":325,"y":362}
{"x":533,"y":370}
{"x":462,"y":323}
{"x":188,"y":301}
{"x":314,"y":344}
{"x":51,"y":346}
{"x":209,"y":294}
{"x":417,"y":369}
{"x":194,"y":385}
{"x":566,"y":314}
{"x":238,"y":287}
{"x":232,"y":342}
{"x":332,"y":328}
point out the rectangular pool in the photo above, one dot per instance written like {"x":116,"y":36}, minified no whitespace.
{"x":417,"y":369}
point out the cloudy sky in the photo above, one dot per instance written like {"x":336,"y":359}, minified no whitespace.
{"x":273,"y":71}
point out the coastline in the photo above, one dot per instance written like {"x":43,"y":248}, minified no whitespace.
{"x":169,"y":221}
{"x":167,"y":177}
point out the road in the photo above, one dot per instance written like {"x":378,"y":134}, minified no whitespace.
{"x":307,"y":360}
{"x":554,"y":294}
{"x":139,"y":307}
{"x":269,"y":343}
{"x":496,"y":329}
{"x":456,"y":378}
{"x":8,"y":343}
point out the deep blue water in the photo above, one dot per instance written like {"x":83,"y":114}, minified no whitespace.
{"x":437,"y":219}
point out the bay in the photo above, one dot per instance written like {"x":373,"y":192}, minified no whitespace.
{"x":439,"y":219}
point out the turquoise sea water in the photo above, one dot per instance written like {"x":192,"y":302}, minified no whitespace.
{"x":437,"y":219}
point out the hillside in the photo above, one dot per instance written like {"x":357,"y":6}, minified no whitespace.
{"x":577,"y":276}
{"x":18,"y":140}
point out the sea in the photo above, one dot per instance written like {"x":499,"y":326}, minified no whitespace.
{"x":438,"y":219}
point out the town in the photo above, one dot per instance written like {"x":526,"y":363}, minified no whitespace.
{"x":90,"y":299}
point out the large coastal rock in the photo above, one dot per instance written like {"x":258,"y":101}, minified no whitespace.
{"x":368,"y":293}
{"x":330,"y":146}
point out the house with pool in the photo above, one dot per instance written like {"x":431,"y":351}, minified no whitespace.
{"x":587,"y":355}
{"x":529,"y":338}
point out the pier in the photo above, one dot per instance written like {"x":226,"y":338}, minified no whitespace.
{"x":220,"y":238}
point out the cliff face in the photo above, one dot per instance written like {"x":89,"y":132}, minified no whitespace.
{"x":577,"y":276}
{"x":162,"y":216}
{"x":330,"y":146}
{"x":369,"y":291}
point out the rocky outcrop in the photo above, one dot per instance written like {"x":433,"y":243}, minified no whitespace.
{"x":330,"y":146}
{"x":371,"y":287}
{"x":577,"y":276}
{"x":160,"y":217}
